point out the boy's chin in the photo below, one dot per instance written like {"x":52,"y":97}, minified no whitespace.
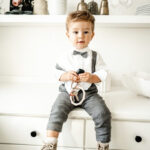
{"x":80,"y":47}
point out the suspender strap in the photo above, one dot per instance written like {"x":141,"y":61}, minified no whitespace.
{"x":94,"y":57}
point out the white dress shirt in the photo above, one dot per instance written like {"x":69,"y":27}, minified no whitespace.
{"x":70,"y":62}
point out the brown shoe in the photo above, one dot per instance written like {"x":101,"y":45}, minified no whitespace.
{"x":49,"y":146}
{"x":101,"y":147}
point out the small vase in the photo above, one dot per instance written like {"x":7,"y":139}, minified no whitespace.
{"x":93,"y":7}
{"x":40,"y":7}
{"x":82,"y":6}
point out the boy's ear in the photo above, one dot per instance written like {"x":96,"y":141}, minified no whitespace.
{"x":93,"y":35}
{"x":67,"y":34}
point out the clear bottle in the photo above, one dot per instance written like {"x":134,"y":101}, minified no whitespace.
{"x":104,"y":9}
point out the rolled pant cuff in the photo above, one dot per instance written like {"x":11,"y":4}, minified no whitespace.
{"x":54,"y":127}
{"x":103,"y":139}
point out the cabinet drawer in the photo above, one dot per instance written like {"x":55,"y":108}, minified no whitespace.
{"x":18,"y":130}
{"x":18,"y":147}
{"x":125,"y":135}
{"x":27,"y":147}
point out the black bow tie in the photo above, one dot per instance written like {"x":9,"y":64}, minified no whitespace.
{"x":84,"y":54}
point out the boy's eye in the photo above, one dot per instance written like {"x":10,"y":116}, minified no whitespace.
{"x":75,"y":32}
{"x":86,"y":32}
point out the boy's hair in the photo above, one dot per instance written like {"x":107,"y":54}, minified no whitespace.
{"x":80,"y":16}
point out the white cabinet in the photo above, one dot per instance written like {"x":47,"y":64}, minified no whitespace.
{"x":26,"y":147}
{"x":17,"y":130}
{"x":27,"y":88}
{"x":18,"y":147}
{"x":126,"y":135}
{"x":129,"y":130}
{"x":130,"y":135}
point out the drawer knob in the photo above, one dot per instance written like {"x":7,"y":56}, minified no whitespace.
{"x":33,"y":133}
{"x":138,"y":139}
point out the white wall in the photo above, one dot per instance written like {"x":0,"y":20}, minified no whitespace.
{"x":32,"y":51}
{"x":124,"y":49}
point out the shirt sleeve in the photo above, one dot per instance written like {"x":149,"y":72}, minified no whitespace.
{"x":101,"y":68}
{"x":58,"y":74}
{"x":59,"y":69}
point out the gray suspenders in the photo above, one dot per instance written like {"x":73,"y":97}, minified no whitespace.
{"x":93,"y":68}
{"x":94,"y":57}
{"x":93,"y":61}
{"x":74,"y":95}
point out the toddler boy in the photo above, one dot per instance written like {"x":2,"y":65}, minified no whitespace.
{"x":80,"y":31}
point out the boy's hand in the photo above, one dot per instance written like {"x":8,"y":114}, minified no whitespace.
{"x":88,"y":77}
{"x":85,"y":77}
{"x":70,"y":76}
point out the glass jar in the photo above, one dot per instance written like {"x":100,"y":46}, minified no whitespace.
{"x":93,"y":7}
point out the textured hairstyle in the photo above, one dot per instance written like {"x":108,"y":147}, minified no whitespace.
{"x":80,"y":16}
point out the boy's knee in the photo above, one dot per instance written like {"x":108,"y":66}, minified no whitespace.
{"x":102,"y":113}
{"x":105,"y":113}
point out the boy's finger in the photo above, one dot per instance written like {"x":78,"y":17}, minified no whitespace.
{"x":74,"y":73}
{"x":82,"y":76}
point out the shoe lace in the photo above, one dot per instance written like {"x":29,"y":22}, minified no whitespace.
{"x":48,"y":147}
{"x":103,"y":148}
{"x":100,"y":148}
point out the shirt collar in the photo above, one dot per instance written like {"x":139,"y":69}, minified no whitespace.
{"x":82,"y":50}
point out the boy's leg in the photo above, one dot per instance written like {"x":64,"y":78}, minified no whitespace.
{"x":95,"y":106}
{"x":58,"y":116}
{"x":51,"y":133}
{"x":59,"y":112}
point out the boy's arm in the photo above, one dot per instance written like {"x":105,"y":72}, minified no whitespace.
{"x":69,"y":76}
{"x":61,"y":73}
{"x":100,"y":68}
{"x":99,"y":75}
{"x":95,"y":79}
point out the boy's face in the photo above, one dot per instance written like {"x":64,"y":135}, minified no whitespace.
{"x":80,"y":33}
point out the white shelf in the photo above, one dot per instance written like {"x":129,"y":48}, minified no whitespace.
{"x":104,"y":21}
{"x":123,"y":21}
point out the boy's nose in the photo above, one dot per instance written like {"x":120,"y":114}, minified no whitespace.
{"x":80,"y":34}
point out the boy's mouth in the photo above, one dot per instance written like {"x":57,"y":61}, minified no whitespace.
{"x":80,"y":42}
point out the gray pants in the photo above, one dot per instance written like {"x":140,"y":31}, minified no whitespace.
{"x":94,"y":105}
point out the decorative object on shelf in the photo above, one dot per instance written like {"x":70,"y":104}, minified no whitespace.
{"x":93,"y":7}
{"x":138,"y":82}
{"x":104,"y":9}
{"x":57,"y":7}
{"x":21,"y":7}
{"x":15,"y":7}
{"x":1,"y":8}
{"x":40,"y":7}
{"x":143,"y":10}
{"x":82,"y":6}
{"x":123,"y":7}
{"x":124,"y":3}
